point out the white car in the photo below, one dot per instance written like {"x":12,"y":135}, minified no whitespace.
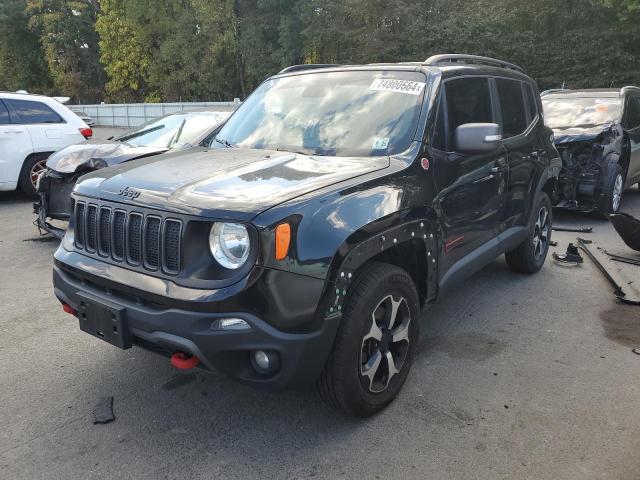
{"x":32,"y":127}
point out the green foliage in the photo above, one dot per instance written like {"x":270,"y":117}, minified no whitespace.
{"x":123,"y":53}
{"x":70,"y":44}
{"x":22,"y":62}
{"x":166,"y":50}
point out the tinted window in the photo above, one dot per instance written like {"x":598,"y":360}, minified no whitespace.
{"x":468,"y":101}
{"x":514,"y":119}
{"x":531,"y":100}
{"x":4,"y":114}
{"x":633,"y":113}
{"x":30,"y":112}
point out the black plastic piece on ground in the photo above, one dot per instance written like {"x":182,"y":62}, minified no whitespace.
{"x":572,"y":256}
{"x":103,"y":413}
{"x":628,"y":228}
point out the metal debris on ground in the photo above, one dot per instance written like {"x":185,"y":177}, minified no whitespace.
{"x":621,"y":259}
{"x":571,"y":257}
{"x":103,"y":413}
{"x":625,"y":290}
{"x":636,"y":351}
{"x":553,"y":243}
{"x":573,"y":229}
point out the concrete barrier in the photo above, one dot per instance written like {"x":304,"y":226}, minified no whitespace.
{"x":134,"y":114}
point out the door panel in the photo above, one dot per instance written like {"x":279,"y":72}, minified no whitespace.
{"x":15,"y":146}
{"x":524,"y":149}
{"x":472,"y":187}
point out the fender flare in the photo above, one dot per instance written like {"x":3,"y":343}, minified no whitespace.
{"x":343,"y":268}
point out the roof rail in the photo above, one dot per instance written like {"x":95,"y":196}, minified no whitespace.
{"x":555,"y":90}
{"x":307,"y":66}
{"x":472,"y":59}
{"x":628,"y":87}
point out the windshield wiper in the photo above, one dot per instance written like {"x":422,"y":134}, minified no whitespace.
{"x":139,"y":133}
{"x":224,"y":142}
{"x":279,"y":149}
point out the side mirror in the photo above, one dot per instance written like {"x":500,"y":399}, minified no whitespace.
{"x":477,"y":137}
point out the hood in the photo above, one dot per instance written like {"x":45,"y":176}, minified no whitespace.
{"x":222,"y":183}
{"x":95,"y":154}
{"x":580,"y":134}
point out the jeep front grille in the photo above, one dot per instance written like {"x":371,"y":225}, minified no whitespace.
{"x":128,"y":236}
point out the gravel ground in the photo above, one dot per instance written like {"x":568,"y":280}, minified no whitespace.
{"x":515,"y":377}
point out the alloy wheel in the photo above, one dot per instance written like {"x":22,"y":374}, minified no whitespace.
{"x":541,"y":231}
{"x":36,"y":171}
{"x":385,"y":347}
{"x":617,"y":193}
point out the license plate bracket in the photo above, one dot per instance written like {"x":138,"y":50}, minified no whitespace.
{"x":104,"y":320}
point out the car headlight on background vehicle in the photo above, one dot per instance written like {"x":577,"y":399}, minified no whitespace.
{"x":229,"y":244}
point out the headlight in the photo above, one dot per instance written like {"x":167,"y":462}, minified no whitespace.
{"x":230,"y":245}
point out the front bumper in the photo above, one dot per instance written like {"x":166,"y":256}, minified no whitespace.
{"x":166,"y":330}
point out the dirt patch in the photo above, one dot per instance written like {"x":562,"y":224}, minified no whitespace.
{"x":621,"y":324}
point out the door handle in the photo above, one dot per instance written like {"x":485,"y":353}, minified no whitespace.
{"x":12,"y":132}
{"x":498,"y":169}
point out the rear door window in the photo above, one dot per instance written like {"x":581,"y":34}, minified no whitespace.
{"x":468,"y":101}
{"x":4,"y":114}
{"x":633,"y":113}
{"x":512,"y":107}
{"x":30,"y":112}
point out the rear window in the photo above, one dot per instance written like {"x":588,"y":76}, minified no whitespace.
{"x":31,"y":112}
{"x":4,"y":114}
{"x":514,"y":119}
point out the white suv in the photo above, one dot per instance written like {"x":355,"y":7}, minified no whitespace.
{"x":32,"y":127}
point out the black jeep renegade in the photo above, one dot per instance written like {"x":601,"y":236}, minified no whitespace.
{"x":301,"y":244}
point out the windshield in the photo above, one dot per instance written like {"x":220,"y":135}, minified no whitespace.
{"x":174,"y":130}
{"x":568,"y":112}
{"x":365,"y":113}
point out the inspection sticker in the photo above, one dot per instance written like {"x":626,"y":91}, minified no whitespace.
{"x":397,"y":86}
{"x":380,"y":143}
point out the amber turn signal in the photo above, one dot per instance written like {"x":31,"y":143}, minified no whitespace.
{"x":283,"y":239}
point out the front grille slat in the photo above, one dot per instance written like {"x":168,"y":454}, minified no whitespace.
{"x":144,"y":241}
{"x":104,"y":239}
{"x":171,"y":245}
{"x":92,"y":228}
{"x":134,"y":238}
{"x":152,"y":243}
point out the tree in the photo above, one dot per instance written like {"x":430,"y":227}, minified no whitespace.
{"x":70,"y":44}
{"x":125,"y":57}
{"x":22,"y":63}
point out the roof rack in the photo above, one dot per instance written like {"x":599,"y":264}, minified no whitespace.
{"x":307,"y":66}
{"x":628,"y":87}
{"x":471,"y":59}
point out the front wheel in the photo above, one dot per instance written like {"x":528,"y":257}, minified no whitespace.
{"x":374,"y":345}
{"x":529,"y":256}
{"x":613,"y":188}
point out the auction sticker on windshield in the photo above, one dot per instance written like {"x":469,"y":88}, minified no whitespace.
{"x":397,"y":86}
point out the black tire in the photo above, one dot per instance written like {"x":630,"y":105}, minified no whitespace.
{"x":529,"y":256}
{"x":376,"y":287}
{"x":25,"y":180}
{"x":613,"y":186}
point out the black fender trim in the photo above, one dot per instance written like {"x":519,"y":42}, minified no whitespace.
{"x":337,"y":285}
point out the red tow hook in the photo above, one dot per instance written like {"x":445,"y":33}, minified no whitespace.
{"x":69,"y":309}
{"x":182,"y":361}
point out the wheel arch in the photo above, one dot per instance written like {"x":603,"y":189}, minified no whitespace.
{"x":411,"y":246}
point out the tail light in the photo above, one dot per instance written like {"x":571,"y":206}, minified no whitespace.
{"x":86,"y":132}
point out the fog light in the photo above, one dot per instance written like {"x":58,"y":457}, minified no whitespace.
{"x":230,"y":324}
{"x":265,"y":362}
